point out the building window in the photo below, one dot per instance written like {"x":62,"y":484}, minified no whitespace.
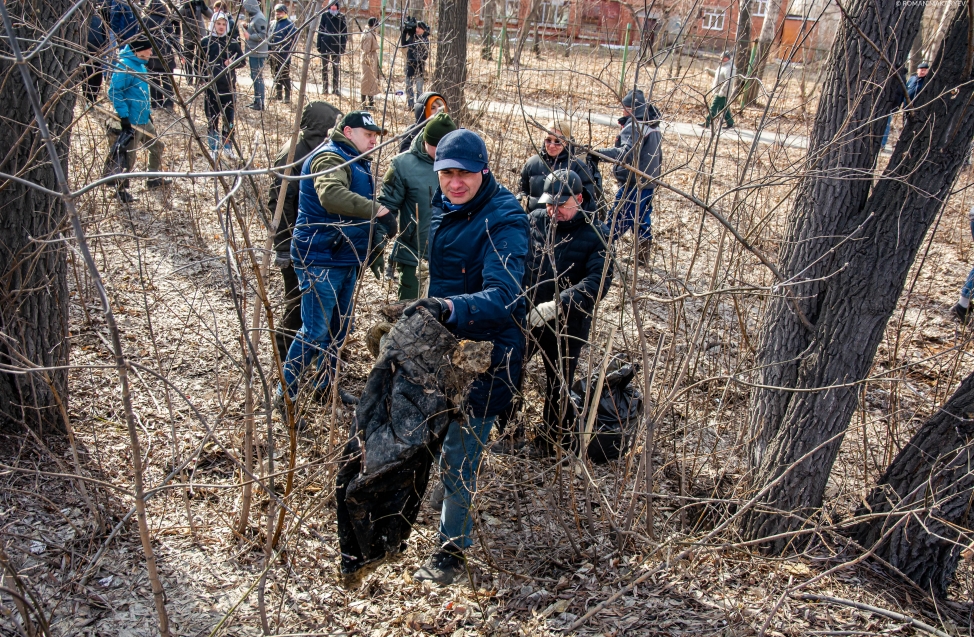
{"x":713,"y":19}
{"x":759,"y":8}
{"x":554,"y":13}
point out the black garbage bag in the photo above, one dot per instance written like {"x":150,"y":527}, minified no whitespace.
{"x":115,"y":162}
{"x":619,"y":408}
{"x":413,"y":392}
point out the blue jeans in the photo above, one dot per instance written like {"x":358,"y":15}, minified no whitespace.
{"x":459,"y":461}
{"x":968,"y":288}
{"x":326,"y":301}
{"x":889,"y":124}
{"x":257,"y":75}
{"x":625,"y":211}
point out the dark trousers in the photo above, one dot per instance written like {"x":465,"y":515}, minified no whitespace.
{"x":333,"y":61}
{"x":91,"y":79}
{"x":220,"y":112}
{"x":281,"y":72}
{"x":161,"y":91}
{"x":555,"y":428}
{"x":291,"y":322}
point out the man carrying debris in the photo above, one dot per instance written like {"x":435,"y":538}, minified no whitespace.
{"x":639,"y":146}
{"x":129,"y":93}
{"x":330,"y":244}
{"x":477,"y":247}
{"x":567,"y":274}
{"x":407,"y":189}
{"x":316,"y":120}
{"x":722,"y":89}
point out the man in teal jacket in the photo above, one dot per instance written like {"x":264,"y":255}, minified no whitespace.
{"x":129,"y":93}
{"x":407,"y":188}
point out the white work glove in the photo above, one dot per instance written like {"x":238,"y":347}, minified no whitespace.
{"x":541,"y":314}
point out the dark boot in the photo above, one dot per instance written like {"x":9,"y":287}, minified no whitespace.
{"x":444,"y":567}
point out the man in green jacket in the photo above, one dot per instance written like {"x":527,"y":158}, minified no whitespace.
{"x":408,"y":187}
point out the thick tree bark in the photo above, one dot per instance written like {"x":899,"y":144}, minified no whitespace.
{"x":860,"y":89}
{"x":33,"y":282}
{"x":868,"y":271}
{"x":769,"y":32}
{"x":923,"y":499}
{"x":487,"y":47}
{"x":451,"y":56}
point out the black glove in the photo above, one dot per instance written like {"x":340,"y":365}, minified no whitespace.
{"x":437,"y":307}
{"x":389,"y":222}
{"x":126,"y":124}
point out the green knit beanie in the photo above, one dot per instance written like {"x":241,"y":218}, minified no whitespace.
{"x":437,"y":128}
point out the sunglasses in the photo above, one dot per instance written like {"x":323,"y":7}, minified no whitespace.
{"x":553,"y":141}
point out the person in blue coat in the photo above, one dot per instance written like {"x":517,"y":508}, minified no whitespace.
{"x":478,"y":244}
{"x":121,"y":20}
{"x":129,"y":93}
{"x":330,"y":243}
{"x":283,"y":34}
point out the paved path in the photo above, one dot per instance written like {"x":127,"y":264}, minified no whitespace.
{"x":544,"y":113}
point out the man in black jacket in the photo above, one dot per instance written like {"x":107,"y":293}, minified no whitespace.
{"x":415,"y":39}
{"x":192,"y":26}
{"x":317,"y":120}
{"x":332,"y":40}
{"x":568,"y":272}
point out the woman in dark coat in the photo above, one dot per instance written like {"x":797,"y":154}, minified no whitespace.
{"x":556,"y":154}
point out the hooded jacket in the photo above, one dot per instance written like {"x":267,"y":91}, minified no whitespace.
{"x":639,"y":143}
{"x":408,"y":186}
{"x":566,"y":263}
{"x":332,"y":33}
{"x":333,"y":228}
{"x":476,"y":256}
{"x":724,"y":79}
{"x":316,"y":120}
{"x":537,"y":168}
{"x":129,"y":92}
{"x":218,"y":49}
{"x":256,"y":42}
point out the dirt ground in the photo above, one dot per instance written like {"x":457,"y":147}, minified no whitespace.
{"x":551,"y":543}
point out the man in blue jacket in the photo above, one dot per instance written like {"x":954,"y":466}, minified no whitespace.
{"x":329,"y":245}
{"x":283,"y":35}
{"x":129,"y":93}
{"x":478,"y":243}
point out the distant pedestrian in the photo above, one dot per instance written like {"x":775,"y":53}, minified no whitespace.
{"x":914,"y":85}
{"x":639,"y":145}
{"x":121,"y":20}
{"x":220,"y":52}
{"x":416,"y":40}
{"x":721,"y":91}
{"x":283,"y":35}
{"x":332,"y":41}
{"x":370,"y":65}
{"x":253,"y":32}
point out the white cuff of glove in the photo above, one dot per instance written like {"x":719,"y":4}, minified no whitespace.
{"x":543,"y":313}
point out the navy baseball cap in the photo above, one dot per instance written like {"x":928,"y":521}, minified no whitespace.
{"x":461,"y":149}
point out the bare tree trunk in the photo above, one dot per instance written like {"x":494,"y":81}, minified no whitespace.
{"x":536,"y":45}
{"x":487,"y":48}
{"x":742,"y":44}
{"x":916,"y":53}
{"x":451,"y":56}
{"x":920,"y":510}
{"x":769,"y":31}
{"x":857,"y":94}
{"x":866,"y":271}
{"x":522,"y":34}
{"x":33,"y":264}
